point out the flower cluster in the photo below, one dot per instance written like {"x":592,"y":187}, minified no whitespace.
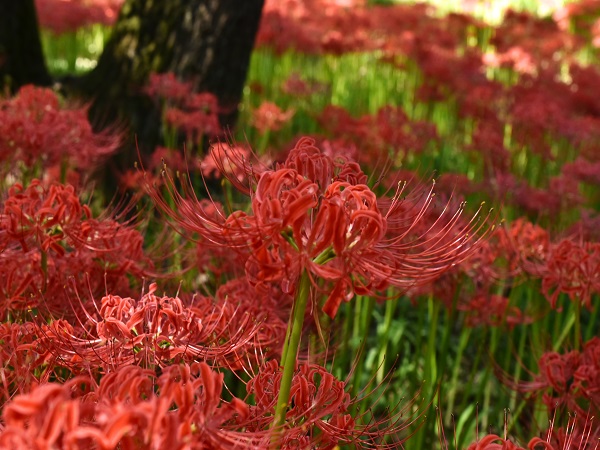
{"x":195,"y":114}
{"x":36,"y":131}
{"x":570,"y":380}
{"x":160,"y":331}
{"x":314,"y":214}
{"x":64,"y":16}
{"x":50,"y":245}
{"x":182,"y":406}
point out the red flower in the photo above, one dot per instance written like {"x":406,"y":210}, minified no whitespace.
{"x":35,"y":129}
{"x":570,"y":381}
{"x":63,"y":16}
{"x":167,"y":87}
{"x":573,"y":269}
{"x":269,"y":117}
{"x":196,"y":114}
{"x":493,"y":310}
{"x":493,"y":442}
{"x":318,"y":401}
{"x":304,"y":218}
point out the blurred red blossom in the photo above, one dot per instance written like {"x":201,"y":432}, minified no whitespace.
{"x":525,"y":247}
{"x":583,"y":171}
{"x":167,"y":87}
{"x":388,"y":130}
{"x":36,"y":130}
{"x":587,"y":227}
{"x":194,"y":123}
{"x":494,"y":311}
{"x":270,"y":117}
{"x":573,"y":269}
{"x":196,"y":114}
{"x":64,"y":16}
{"x":581,"y":17}
{"x":297,"y":86}
{"x":231,"y":161}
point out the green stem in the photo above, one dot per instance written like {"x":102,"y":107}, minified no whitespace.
{"x":390,"y":308}
{"x":454,"y":385}
{"x":290,"y":353}
{"x":566,"y":330}
{"x":264,"y":140}
{"x":361,"y":336}
{"x":577,"y":342}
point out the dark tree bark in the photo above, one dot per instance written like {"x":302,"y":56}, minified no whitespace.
{"x":21,"y":57}
{"x":205,"y":42}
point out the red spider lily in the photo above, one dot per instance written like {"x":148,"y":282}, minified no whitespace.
{"x":230,"y":161}
{"x":493,"y":442}
{"x":41,"y":418}
{"x":525,"y":246}
{"x":572,"y":269}
{"x":296,"y":86}
{"x":196,"y":114}
{"x":167,"y":87}
{"x":570,"y":381}
{"x":578,"y":434}
{"x":338,"y":231}
{"x":64,"y":16}
{"x":50,"y":242}
{"x":269,"y":117}
{"x":157,"y":331}
{"x":40,"y":217}
{"x":35,"y":129}
{"x":272,"y":311}
{"x":389,"y":128}
{"x":131,"y":408}
{"x":493,"y":310}
{"x":194,"y":124}
{"x":18,"y":365}
{"x":320,"y":413}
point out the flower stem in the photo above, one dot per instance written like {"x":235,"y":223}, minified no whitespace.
{"x":577,"y":342}
{"x":290,"y":353}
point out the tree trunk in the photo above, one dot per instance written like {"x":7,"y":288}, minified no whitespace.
{"x":21,"y":57}
{"x":205,"y":42}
